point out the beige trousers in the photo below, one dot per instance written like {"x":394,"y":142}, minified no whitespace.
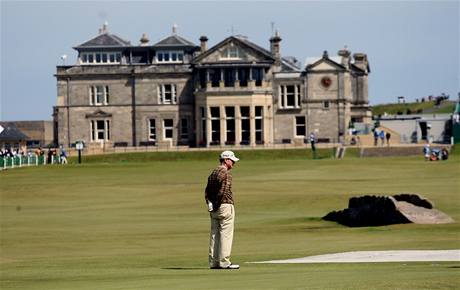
{"x":221,"y":238}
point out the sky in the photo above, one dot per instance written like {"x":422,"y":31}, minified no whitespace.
{"x":412,"y":46}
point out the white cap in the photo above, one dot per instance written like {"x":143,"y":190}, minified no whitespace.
{"x":229,"y":155}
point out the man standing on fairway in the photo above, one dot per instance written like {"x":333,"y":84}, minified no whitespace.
{"x":219,"y":197}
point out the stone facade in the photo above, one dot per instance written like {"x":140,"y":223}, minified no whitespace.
{"x":177,"y":93}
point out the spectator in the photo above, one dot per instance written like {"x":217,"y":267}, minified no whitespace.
{"x":63,"y":155}
{"x":382,"y":137}
{"x":388,"y":136}
{"x":376,"y":136}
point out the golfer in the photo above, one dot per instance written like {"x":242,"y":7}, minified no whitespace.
{"x":219,"y":197}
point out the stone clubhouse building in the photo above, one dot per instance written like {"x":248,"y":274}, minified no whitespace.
{"x":174,"y":92}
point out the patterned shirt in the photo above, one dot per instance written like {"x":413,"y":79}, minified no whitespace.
{"x":219,"y":188}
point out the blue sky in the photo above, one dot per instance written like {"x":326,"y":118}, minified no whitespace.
{"x":412,"y":46}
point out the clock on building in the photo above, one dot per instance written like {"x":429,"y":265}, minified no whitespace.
{"x":326,"y":82}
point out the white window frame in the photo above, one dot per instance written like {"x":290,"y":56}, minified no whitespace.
{"x":231,"y":52}
{"x":283,"y":96}
{"x":95,"y":130}
{"x":162,"y":94}
{"x":94,"y":92}
{"x":168,"y":128}
{"x":296,"y":125}
{"x":261,"y":118}
{"x":169,"y":53}
{"x":152,"y":130}
{"x":111,"y":57}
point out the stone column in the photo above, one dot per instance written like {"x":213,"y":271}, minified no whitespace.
{"x":208,"y":126}
{"x":237,"y":125}
{"x":237,"y":80}
{"x":221,"y":82}
{"x":296,"y":99}
{"x":252,"y":126}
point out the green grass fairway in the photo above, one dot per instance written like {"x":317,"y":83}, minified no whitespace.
{"x":142,"y":224}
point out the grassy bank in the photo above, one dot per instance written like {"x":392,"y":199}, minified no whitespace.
{"x":428,"y":107}
{"x":282,"y":154}
{"x":143,"y":225}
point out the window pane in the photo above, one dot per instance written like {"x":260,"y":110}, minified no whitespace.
{"x":168,"y":93}
{"x":166,"y":56}
{"x":215,"y":113}
{"x":244,"y":111}
{"x":180,"y":56}
{"x":84,"y":58}
{"x":98,"y":57}
{"x":90,"y":58}
{"x":173,"y":56}
{"x":104,"y":57}
{"x":230,"y":112}
{"x":168,"y":122}
{"x":152,"y":130}
{"x":259,"y":111}
{"x":118,"y":57}
{"x":112,"y":57}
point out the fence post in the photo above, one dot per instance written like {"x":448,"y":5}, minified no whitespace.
{"x":36,"y":160}
{"x":20,"y":161}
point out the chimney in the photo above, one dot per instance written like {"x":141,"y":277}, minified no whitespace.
{"x":275,"y":48}
{"x":144,"y":39}
{"x":204,"y":43}
{"x":361,"y":61}
{"x":345,"y":54}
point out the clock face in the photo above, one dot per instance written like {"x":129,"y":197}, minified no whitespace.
{"x":326,"y":82}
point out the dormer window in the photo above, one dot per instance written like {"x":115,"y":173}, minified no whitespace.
{"x":170,"y":56}
{"x":100,"y":58}
{"x":231,"y":52}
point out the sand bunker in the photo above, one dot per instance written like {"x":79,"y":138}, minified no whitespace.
{"x":386,"y":210}
{"x":377,"y":257}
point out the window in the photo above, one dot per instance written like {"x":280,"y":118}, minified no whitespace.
{"x":326,"y":105}
{"x":259,"y":124}
{"x":231,"y":52}
{"x":100,"y":130}
{"x":100,"y":58}
{"x":230,"y":122}
{"x":167,"y":94}
{"x":289,"y":96}
{"x":168,"y":126}
{"x":300,"y":126}
{"x":152,"y":130}
{"x":99,"y":95}
{"x":257,"y":75}
{"x":215,"y":125}
{"x":245,"y":125}
{"x":173,"y":56}
{"x":184,"y":129}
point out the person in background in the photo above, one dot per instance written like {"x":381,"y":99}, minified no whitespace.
{"x":62,"y":155}
{"x":388,"y":136}
{"x":427,"y":151}
{"x":382,"y":137}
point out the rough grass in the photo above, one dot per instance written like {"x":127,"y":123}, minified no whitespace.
{"x":143,"y":225}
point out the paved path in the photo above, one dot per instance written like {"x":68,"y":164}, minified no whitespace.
{"x":377,"y":256}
